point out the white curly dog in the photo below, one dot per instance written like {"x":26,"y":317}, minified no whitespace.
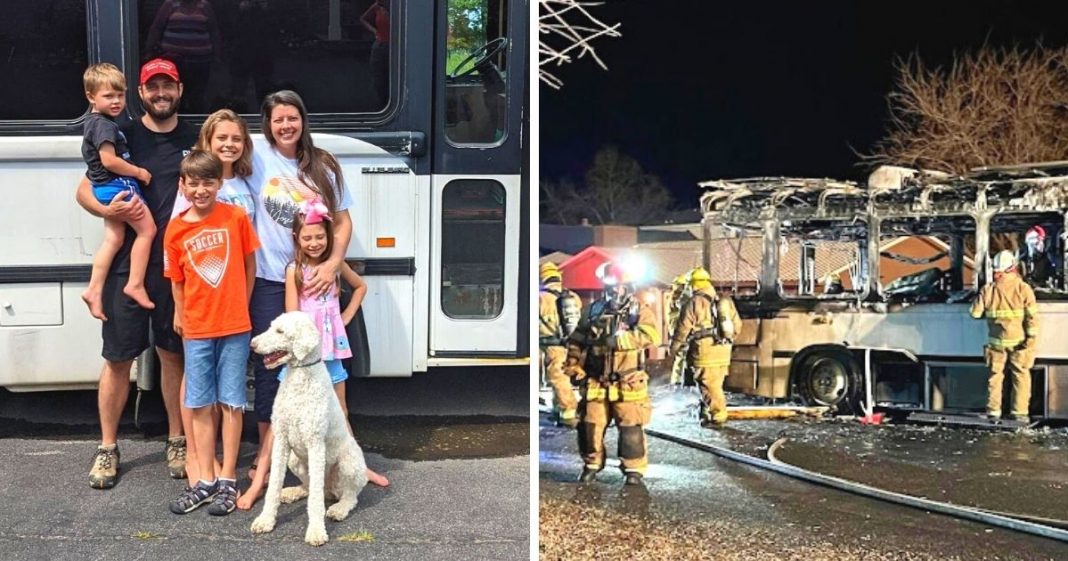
{"x":309,"y":429}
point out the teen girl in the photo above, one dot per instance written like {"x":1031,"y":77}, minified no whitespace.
{"x":224,"y":134}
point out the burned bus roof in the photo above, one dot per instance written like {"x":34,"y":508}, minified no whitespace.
{"x":1027,"y":188}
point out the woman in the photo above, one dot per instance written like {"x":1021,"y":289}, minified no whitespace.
{"x":288,"y":171}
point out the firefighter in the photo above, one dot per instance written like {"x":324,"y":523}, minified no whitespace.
{"x":606,"y":353}
{"x":559,"y":310}
{"x":680,"y":293}
{"x":1008,"y":304}
{"x":708,"y":323}
{"x":1036,"y":265}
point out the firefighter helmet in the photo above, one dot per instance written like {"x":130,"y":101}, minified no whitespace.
{"x":612,"y":274}
{"x":681,"y":280}
{"x":549,"y":272}
{"x":700,"y":279}
{"x":1004,"y":261}
{"x":1035,"y":238}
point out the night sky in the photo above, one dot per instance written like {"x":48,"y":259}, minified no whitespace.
{"x":700,"y":90}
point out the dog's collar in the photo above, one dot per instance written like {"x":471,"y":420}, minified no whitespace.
{"x":317,"y":361}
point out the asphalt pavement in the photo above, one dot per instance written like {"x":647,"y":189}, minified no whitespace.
{"x":459,"y":480}
{"x":698,"y":506}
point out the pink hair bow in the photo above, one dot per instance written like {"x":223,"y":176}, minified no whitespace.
{"x":315,"y":212}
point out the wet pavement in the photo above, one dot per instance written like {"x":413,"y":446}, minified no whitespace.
{"x":1024,"y":471}
{"x":697,"y":506}
{"x":459,"y":480}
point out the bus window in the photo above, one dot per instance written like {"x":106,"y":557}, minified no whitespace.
{"x":45,"y":53}
{"x":475,"y":71}
{"x":472,"y":249}
{"x":927,"y":259}
{"x":335,"y":54}
{"x":1036,"y":238}
{"x":813,"y":266}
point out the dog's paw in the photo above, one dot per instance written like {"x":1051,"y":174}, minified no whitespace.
{"x":338,"y":511}
{"x":262,"y":524}
{"x":316,"y":536}
{"x":292,"y":494}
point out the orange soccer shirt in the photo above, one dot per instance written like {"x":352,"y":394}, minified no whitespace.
{"x":209,"y":257}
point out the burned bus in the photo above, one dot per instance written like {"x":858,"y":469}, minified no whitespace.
{"x":879,"y":316}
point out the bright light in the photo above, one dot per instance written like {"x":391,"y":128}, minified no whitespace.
{"x":650,"y":298}
{"x":637,"y":268}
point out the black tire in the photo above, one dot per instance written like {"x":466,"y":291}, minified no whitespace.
{"x":829,"y":378}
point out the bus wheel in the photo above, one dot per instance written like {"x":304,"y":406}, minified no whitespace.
{"x":828,"y":379}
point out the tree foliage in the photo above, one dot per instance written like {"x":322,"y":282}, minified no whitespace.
{"x":993,"y":107}
{"x":616,"y":191}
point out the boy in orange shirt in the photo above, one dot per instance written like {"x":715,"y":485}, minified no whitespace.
{"x":209,"y":255}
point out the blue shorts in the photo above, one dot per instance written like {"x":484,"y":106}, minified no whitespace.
{"x":215,"y":371}
{"x":334,"y":367}
{"x":105,"y":192}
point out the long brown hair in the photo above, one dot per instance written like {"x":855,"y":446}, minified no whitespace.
{"x":315,"y":164}
{"x":243,"y":165}
{"x":299,"y":259}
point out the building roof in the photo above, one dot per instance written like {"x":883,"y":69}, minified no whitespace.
{"x":557,"y":257}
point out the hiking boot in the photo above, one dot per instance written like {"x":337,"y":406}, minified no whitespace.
{"x":176,"y":456}
{"x":105,"y":468}
{"x":633,"y":478}
{"x":225,"y":500}
{"x":193,"y":498}
{"x":588,"y":475}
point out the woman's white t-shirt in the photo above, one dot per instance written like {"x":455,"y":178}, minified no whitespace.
{"x":236,"y":191}
{"x":278,"y":195}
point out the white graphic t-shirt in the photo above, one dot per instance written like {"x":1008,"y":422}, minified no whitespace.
{"x":278,"y":195}
{"x":236,"y":191}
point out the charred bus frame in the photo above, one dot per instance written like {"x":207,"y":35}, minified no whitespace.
{"x":909,"y":345}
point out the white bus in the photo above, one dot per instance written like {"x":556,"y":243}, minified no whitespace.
{"x":424,"y":104}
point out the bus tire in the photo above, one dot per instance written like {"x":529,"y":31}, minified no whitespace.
{"x":829,"y":378}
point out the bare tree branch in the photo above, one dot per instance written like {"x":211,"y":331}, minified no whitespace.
{"x":566,"y":27}
{"x":993,"y":107}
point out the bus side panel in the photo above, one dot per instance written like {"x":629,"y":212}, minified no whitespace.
{"x":384,"y":229}
{"x":53,"y":356}
{"x":388,"y":312}
{"x":47,"y":338}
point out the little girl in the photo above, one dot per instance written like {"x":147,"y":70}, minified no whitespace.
{"x":313,"y":233}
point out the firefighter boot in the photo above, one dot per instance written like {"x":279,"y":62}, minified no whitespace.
{"x":589,"y":475}
{"x":633,"y":478}
{"x":567,"y":418}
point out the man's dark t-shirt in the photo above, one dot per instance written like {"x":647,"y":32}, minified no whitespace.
{"x":161,"y":154}
{"x":97,"y":130}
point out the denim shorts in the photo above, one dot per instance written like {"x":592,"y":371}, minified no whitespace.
{"x":105,"y":192}
{"x":334,"y":367}
{"x":215,"y":371}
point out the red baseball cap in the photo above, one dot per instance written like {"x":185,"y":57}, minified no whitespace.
{"x":159,"y":66}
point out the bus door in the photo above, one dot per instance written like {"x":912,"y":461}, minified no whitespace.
{"x":478,"y":245}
